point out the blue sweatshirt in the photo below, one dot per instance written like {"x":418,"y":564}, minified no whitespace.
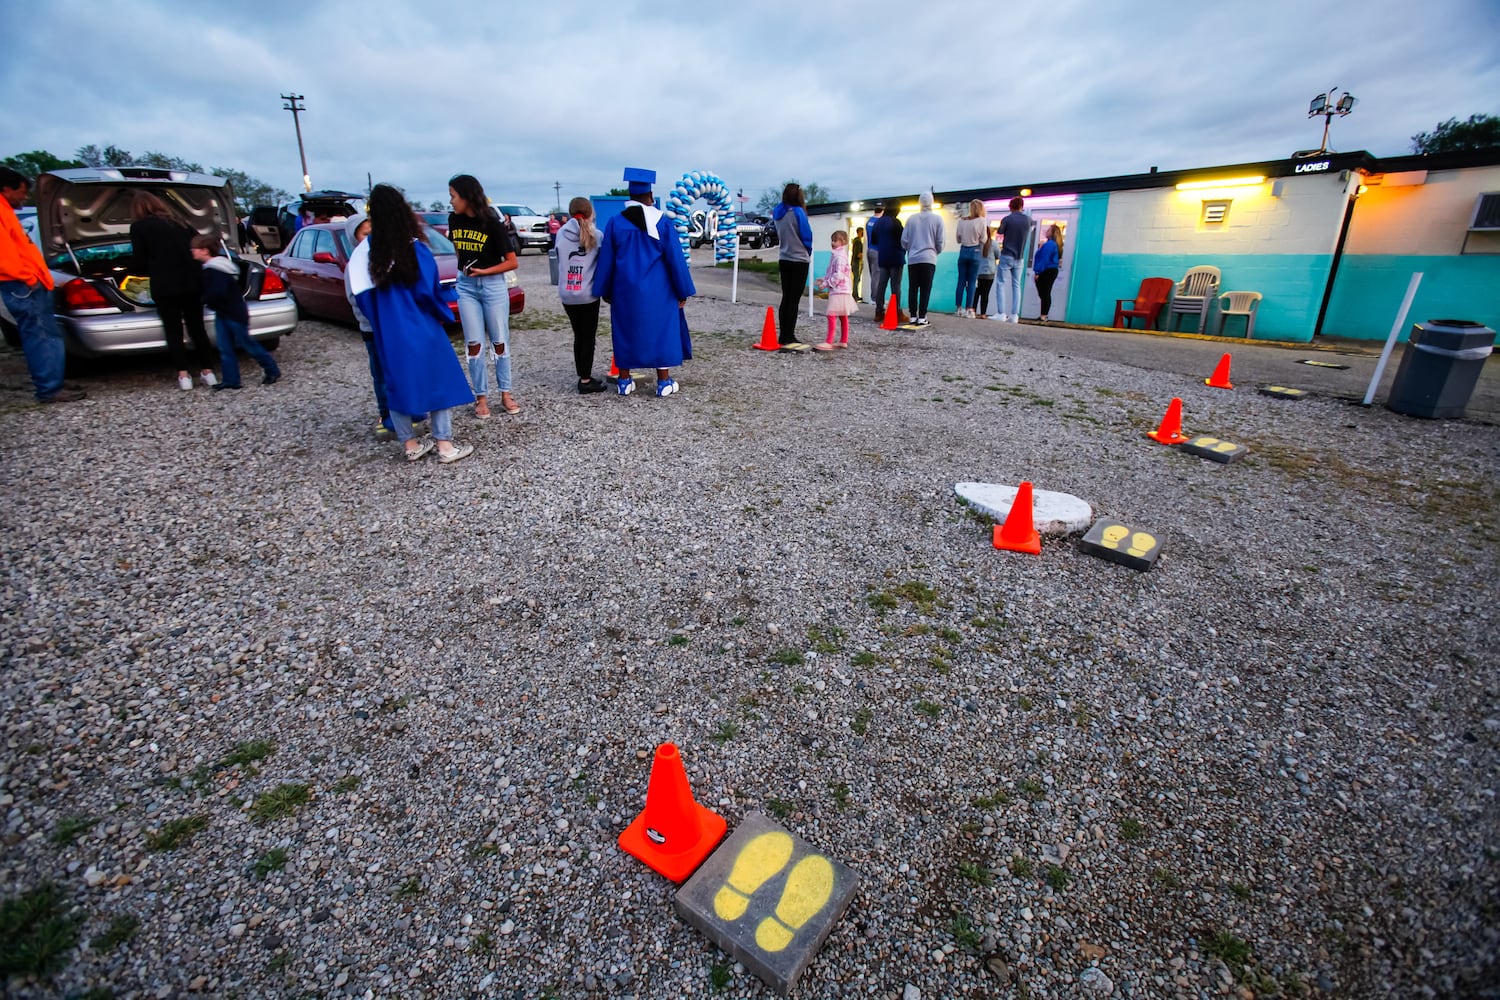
{"x":1046,"y":257}
{"x":793,"y":222}
{"x":887,"y":239}
{"x":221,"y":289}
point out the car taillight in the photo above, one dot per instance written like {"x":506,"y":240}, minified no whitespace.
{"x":80,"y":294}
{"x":272,"y":285}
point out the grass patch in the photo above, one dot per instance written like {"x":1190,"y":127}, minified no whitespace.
{"x":1131,"y":829}
{"x":719,"y":977}
{"x":37,"y":931}
{"x":727,"y":731}
{"x":481,"y":944}
{"x":347,"y":783}
{"x":1057,"y":877}
{"x":999,"y":797}
{"x":840,"y":792}
{"x":1021,"y":866}
{"x":410,"y":889}
{"x":931,"y":709}
{"x":677,"y":640}
{"x":1232,"y":951}
{"x":1025,"y":703}
{"x":825,"y":640}
{"x":865,"y":658}
{"x":244,"y":755}
{"x":965,"y":934}
{"x":941,"y":665}
{"x":1164,"y":878}
{"x":861,"y":723}
{"x":272,"y":861}
{"x":176,"y":832}
{"x":279,"y":802}
{"x":787,"y":657}
{"x":882,"y":602}
{"x":975,"y":872}
{"x":120,"y":930}
{"x":1239,"y":890}
{"x":70,"y":828}
{"x":780,"y":808}
{"x":950,"y":635}
{"x":1032,"y":789}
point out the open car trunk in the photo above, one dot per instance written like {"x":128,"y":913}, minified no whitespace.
{"x":82,"y":209}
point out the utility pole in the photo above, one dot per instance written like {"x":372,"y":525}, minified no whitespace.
{"x":557,"y":186}
{"x":294,"y":107}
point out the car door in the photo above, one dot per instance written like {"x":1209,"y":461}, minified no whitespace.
{"x":295,"y":267}
{"x":326,"y":273}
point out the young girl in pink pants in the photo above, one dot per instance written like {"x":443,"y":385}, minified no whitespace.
{"x":837,"y":282}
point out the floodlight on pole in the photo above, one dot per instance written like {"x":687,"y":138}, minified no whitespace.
{"x":294,"y":105}
{"x":1325,"y":105}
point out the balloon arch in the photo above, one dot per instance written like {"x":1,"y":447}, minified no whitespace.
{"x":703,"y":184}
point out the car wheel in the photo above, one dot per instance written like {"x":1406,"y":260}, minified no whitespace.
{"x":270,"y":343}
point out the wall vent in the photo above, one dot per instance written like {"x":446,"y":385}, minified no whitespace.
{"x":1486,"y":214}
{"x":1215,"y":212}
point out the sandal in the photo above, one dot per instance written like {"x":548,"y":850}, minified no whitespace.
{"x":509,"y":406}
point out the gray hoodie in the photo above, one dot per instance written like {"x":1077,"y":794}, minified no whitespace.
{"x":351,"y":226}
{"x":923,"y":237}
{"x":575,"y":266}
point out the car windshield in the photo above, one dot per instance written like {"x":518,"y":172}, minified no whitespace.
{"x":437,"y":242}
{"x":514,"y":210}
{"x":435,"y":218}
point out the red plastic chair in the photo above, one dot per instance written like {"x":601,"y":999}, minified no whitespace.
{"x":1147,"y":304}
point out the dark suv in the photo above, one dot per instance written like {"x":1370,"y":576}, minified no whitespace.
{"x":757,"y":231}
{"x":273,"y":226}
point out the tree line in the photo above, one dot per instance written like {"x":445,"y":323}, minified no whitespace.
{"x":248,"y":191}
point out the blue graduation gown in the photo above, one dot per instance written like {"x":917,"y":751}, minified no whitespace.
{"x":422,"y":374}
{"x":643,"y":278}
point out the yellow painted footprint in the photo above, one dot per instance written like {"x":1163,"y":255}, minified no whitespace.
{"x":1140,"y":544}
{"x":762,"y":858}
{"x":1111,"y":536}
{"x":807,"y":891}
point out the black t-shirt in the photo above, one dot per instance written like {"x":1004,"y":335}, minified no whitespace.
{"x":481,"y":239}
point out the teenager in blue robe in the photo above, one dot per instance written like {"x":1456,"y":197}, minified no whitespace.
{"x":643,"y":275}
{"x":422,"y":373}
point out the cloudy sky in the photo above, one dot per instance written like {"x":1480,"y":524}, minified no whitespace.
{"x":863,"y":98}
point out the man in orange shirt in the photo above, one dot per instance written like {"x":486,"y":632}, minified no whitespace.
{"x":26,"y":290}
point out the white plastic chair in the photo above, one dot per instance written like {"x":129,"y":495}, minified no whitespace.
{"x":1198,"y":288}
{"x":1239,"y":304}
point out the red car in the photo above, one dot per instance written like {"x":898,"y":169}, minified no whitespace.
{"x":313,"y":270}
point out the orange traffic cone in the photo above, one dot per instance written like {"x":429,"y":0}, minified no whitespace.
{"x":614,"y":372}
{"x":1220,"y":377}
{"x":892,"y":315}
{"x":1170,"y":431}
{"x":674,"y":833}
{"x":1018,"y":533}
{"x":768,"y":332}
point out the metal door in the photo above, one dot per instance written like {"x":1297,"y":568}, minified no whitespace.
{"x":1067,"y":218}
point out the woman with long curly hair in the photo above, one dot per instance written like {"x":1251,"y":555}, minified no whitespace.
{"x":160,"y":248}
{"x":394,"y":278}
{"x":485,"y":253}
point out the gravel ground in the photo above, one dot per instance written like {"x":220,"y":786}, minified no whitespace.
{"x":405,"y":711}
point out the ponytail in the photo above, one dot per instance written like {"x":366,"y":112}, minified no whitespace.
{"x":583,"y":210}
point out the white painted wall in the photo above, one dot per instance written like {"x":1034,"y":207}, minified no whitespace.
{"x":1304,"y":220}
{"x":1429,"y":219}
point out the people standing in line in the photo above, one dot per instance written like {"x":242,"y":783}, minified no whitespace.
{"x":1044,"y":265}
{"x":922,"y":241}
{"x":857,"y":261}
{"x":871,"y":260}
{"x":357,"y":228}
{"x":26,"y":289}
{"x":485,"y":254}
{"x":795,"y":260}
{"x":1014,"y":229}
{"x":577,"y":258}
{"x":160,"y":249}
{"x":891,"y":260}
{"x":836,"y":282}
{"x":989,"y":254}
{"x":222,"y":293}
{"x":642,"y":274}
{"x":970,"y":234}
{"x":394,"y":278}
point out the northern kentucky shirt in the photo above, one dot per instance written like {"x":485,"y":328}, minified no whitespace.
{"x":483,"y":240}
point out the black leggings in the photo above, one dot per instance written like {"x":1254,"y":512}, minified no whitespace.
{"x":793,"y":282}
{"x":175,"y":311}
{"x":919,"y":287}
{"x":985,"y":281}
{"x":585,"y":320}
{"x":1044,"y":282}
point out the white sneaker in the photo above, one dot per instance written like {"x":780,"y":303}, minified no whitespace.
{"x":184,"y":382}
{"x":208,"y":379}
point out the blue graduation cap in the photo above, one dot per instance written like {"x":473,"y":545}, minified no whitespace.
{"x":639,"y":180}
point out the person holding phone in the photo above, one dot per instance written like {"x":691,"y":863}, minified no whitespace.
{"x":485,"y":253}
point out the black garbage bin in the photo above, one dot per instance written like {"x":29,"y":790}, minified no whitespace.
{"x":1440,"y":367}
{"x":552,"y":262}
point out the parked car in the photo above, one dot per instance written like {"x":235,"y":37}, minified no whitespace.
{"x":757,"y":231}
{"x":437,"y":220}
{"x":82,"y":225}
{"x":530,"y":228}
{"x":313,"y":270}
{"x":275,"y":225}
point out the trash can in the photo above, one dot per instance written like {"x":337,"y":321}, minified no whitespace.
{"x":1440,"y":367}
{"x":552,"y":262}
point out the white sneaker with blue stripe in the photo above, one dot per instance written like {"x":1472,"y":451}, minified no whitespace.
{"x":666,"y":386}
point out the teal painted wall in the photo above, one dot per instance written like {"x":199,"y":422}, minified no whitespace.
{"x":1088,"y":242}
{"x":1292,"y":286}
{"x":1370,"y":288}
